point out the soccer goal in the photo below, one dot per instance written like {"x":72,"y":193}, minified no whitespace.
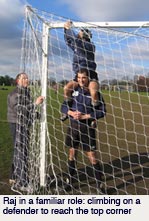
{"x":122,"y":51}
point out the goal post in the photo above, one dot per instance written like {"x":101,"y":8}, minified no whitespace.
{"x":122,"y":137}
{"x":43,"y":129}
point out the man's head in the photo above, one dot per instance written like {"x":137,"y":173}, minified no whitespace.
{"x":22,"y":80}
{"x":85,"y":34}
{"x":82,"y":77}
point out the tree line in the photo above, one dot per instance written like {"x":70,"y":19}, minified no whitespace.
{"x":7,"y":81}
{"x":142,"y":83}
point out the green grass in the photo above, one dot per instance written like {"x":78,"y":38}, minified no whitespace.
{"x":5,"y":138}
{"x":122,"y":140}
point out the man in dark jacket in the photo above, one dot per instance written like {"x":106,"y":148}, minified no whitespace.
{"x":83,"y":57}
{"x":81,"y":131}
{"x":21,"y":112}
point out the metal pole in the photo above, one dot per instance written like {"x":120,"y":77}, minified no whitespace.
{"x":43,"y":129}
{"x":136,"y":24}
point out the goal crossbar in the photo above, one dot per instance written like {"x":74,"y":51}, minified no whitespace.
{"x":103,"y":24}
{"x":116,"y":24}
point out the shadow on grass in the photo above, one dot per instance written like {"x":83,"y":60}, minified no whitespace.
{"x":128,"y":175}
{"x":128,"y":172}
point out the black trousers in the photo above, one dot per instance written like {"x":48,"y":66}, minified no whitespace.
{"x":19,"y":170}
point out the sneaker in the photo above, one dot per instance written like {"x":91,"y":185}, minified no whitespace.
{"x":12,"y":182}
{"x":67,"y":185}
{"x":100,"y":188}
{"x":26,"y":189}
{"x":100,"y":185}
{"x":63,"y":117}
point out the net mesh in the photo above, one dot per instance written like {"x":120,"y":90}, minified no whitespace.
{"x":122,"y":136}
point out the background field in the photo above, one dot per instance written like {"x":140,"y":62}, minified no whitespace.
{"x":122,"y":140}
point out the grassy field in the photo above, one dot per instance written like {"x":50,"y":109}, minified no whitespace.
{"x":122,"y":140}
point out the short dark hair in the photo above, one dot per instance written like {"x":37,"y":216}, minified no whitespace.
{"x":83,"y":70}
{"x":18,"y":76}
{"x":86,"y":33}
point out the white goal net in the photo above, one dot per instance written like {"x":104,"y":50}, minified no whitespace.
{"x":122,"y":51}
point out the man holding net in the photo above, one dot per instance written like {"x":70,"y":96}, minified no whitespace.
{"x":79,"y":132}
{"x":21,"y":111}
{"x":83,"y":57}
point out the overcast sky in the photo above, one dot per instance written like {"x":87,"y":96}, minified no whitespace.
{"x":12,"y":14}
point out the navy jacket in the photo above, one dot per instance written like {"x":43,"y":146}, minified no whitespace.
{"x":81,"y":101}
{"x":84,"y":51}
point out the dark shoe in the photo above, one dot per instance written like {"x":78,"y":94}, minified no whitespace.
{"x":68,"y":184}
{"x":100,"y":187}
{"x":63,"y":117}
